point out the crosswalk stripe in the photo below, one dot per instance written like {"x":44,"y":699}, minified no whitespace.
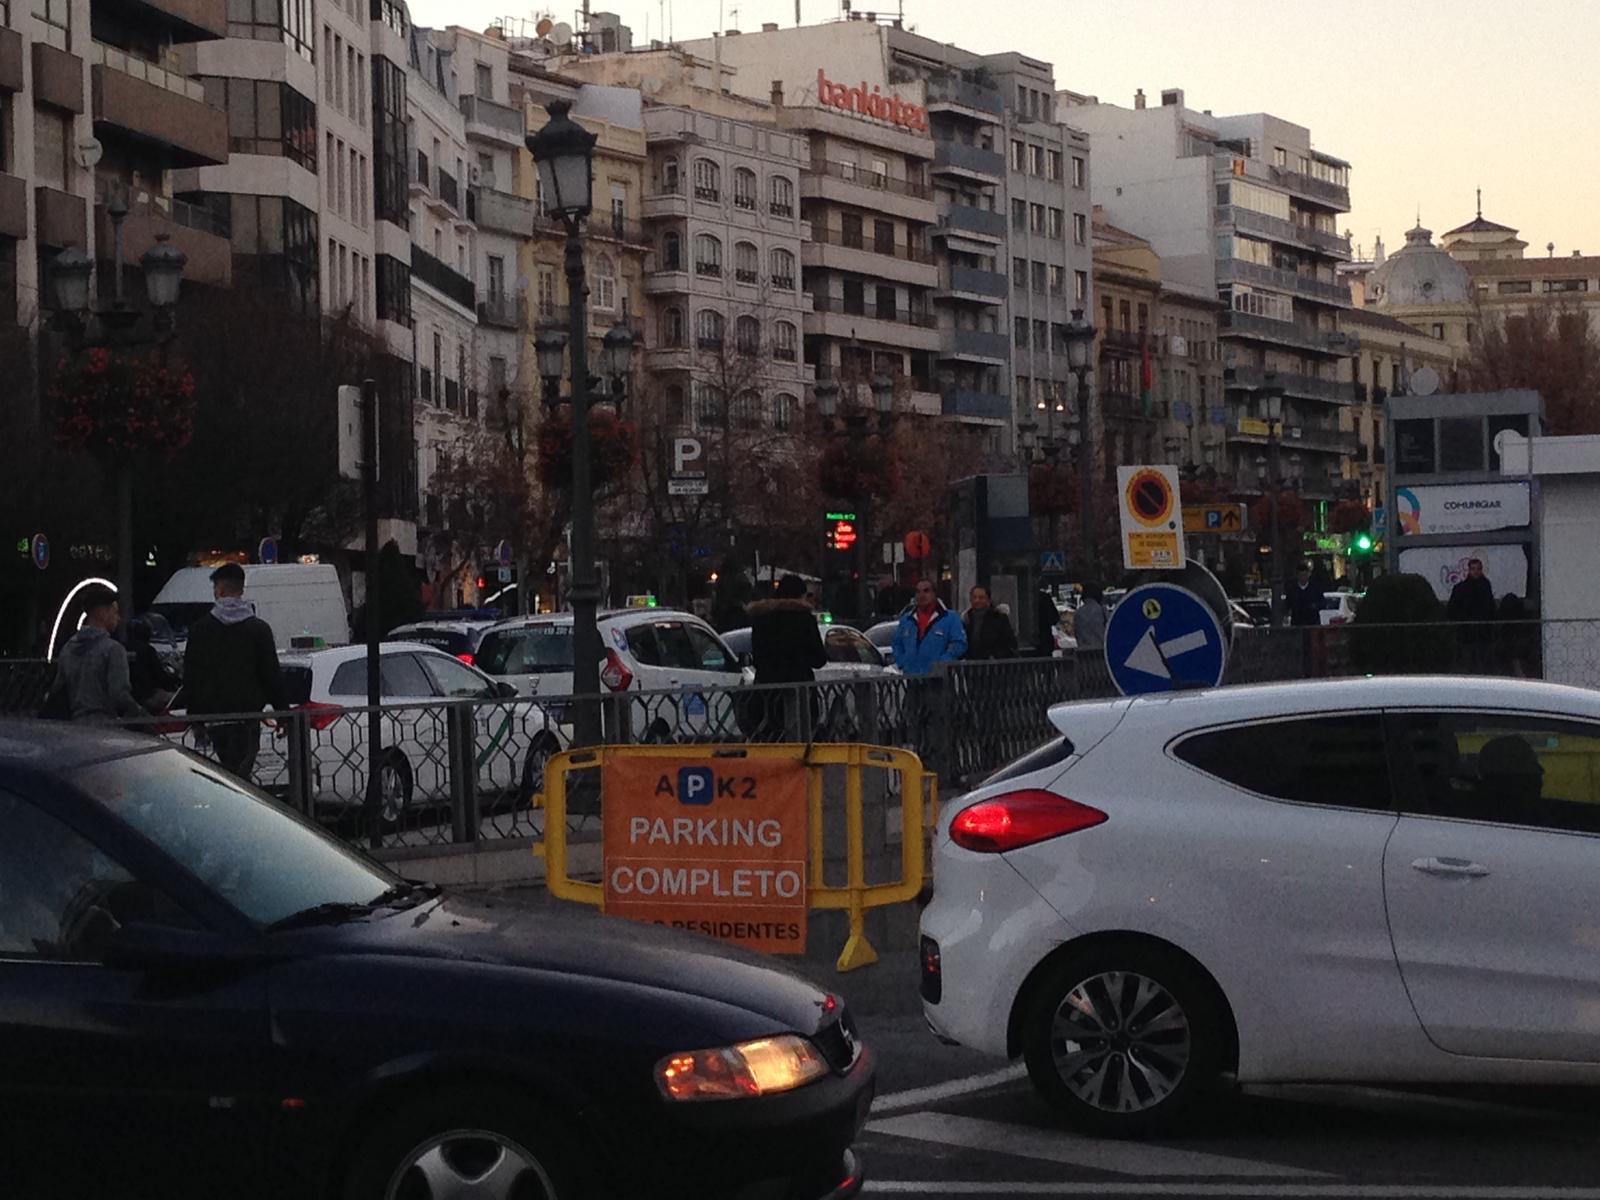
{"x":916,"y":1097}
{"x":1058,"y":1146}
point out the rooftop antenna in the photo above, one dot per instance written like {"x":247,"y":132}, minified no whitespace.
{"x":797,"y":12}
{"x":1480,"y":204}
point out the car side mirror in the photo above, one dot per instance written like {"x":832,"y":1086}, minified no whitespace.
{"x":747,"y":660}
{"x":504,"y":690}
{"x":144,"y":946}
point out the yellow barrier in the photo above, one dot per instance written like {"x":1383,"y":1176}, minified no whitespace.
{"x":918,"y":800}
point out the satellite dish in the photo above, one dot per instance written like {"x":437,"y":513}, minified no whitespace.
{"x":561,"y":33}
{"x":89,"y":152}
{"x":1424,"y":381}
{"x":543,"y":27}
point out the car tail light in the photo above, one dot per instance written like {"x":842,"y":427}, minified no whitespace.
{"x":1018,"y":819}
{"x":932,"y":971}
{"x":466,"y":657}
{"x":615,"y":674}
{"x":322,"y":715}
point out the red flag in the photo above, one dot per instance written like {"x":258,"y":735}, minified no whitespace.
{"x":1146,"y":374}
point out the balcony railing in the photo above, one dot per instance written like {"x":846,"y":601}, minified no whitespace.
{"x":837,"y":237}
{"x":851,"y":173}
{"x":449,"y":191}
{"x":983,"y":405}
{"x":179,"y":212}
{"x":968,"y":95}
{"x":424,"y":176}
{"x":1290,"y":333}
{"x":958,"y":156}
{"x":1334,"y":194}
{"x":956,"y":278}
{"x":746,"y":275}
{"x":714,"y":270}
{"x":1237,"y":269}
{"x":501,"y":118}
{"x":101,"y":54}
{"x":442,"y":279}
{"x":1283,"y":231}
{"x":599,"y":225}
{"x":981,"y":343}
{"x":1122,"y":339}
{"x":1309,"y":435}
{"x":501,"y":311}
{"x":784,"y":283}
{"x":1296,"y":384}
{"x":501,"y":211}
{"x":872,"y":312}
{"x":963,"y":218}
{"x":781,"y":210}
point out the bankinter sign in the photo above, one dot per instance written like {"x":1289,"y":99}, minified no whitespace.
{"x":716,"y":847}
{"x":873,"y":104}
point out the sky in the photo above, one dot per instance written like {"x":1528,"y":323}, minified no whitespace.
{"x":1428,"y":100}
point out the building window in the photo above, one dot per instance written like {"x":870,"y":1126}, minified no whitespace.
{"x":1058,"y":280}
{"x":483,"y":80}
{"x":52,"y":140}
{"x":708,"y":326}
{"x":747,"y":335}
{"x":1058,"y":224}
{"x":669,"y":176}
{"x":1566,"y":285}
{"x":1020,"y":332}
{"x":1514,"y":287}
{"x":1019,"y":155}
{"x":744,"y":189}
{"x":883,"y":237}
{"x":287,"y":21}
{"x":53,"y":12}
{"x":1036,"y":160}
{"x":783,"y":270}
{"x":275,"y":245}
{"x":1080,"y":286}
{"x":1280,"y":157}
{"x":746,"y":262}
{"x":707,"y":180}
{"x":1036,"y":218}
{"x":605,"y":284}
{"x":782,"y":196}
{"x":1019,"y":214}
{"x":1041,"y":335}
{"x":1019,"y":272}
{"x":497,"y":277}
{"x":707,"y":404}
{"x":1438,"y":331}
{"x":850,"y":230}
{"x":707,"y":256}
{"x":677,"y":418}
{"x":390,"y":159}
{"x":671,"y":251}
{"x":784,"y":342}
{"x":394,"y":290}
{"x":746,"y":412}
{"x":547,"y":293}
{"x":672,"y":328}
{"x":1055,"y":165}
{"x":619,"y":209}
{"x":1079,"y":171}
{"x":1039,"y":277}
{"x":785,"y":411}
{"x":1080,"y":229}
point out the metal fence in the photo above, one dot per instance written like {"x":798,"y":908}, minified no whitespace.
{"x":467,"y":770}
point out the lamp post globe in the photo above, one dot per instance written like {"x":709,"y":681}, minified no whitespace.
{"x":564,"y":152}
{"x":163,"y":267}
{"x":69,"y":280}
{"x":828,"y":399}
{"x":550,"y":347}
{"x":1080,"y":341}
{"x":617,"y":350}
{"x":883,"y":393}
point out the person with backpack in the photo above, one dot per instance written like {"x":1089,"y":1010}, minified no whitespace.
{"x":231,"y":666}
{"x":91,"y":682}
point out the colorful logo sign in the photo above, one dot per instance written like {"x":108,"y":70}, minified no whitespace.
{"x":1461,"y":508}
{"x":872,"y":104}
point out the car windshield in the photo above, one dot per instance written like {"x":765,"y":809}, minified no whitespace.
{"x":260,"y":858}
{"x":180,"y":616}
{"x":531,"y":650}
{"x":737,"y":640}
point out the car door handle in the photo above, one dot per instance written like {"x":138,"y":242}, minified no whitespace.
{"x":1450,"y":866}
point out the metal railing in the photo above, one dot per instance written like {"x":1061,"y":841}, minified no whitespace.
{"x":1336,"y":194}
{"x":445,"y":280}
{"x":974,"y":281}
{"x":958,"y":156}
{"x":1295,"y":384}
{"x":479,"y":110}
{"x":852,"y":173}
{"x":968,"y":95}
{"x":179,"y":212}
{"x":873,"y":312}
{"x":1230,"y":269}
{"x":964,"y":218}
{"x":1288,"y":332}
{"x":822,"y":235}
{"x":1286,"y":231}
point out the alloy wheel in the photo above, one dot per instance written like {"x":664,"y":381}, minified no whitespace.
{"x":392,"y":791}
{"x":1120,"y":1042}
{"x":470,"y":1164}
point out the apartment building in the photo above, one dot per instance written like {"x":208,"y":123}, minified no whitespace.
{"x":1242,"y":207}
{"x":1390,"y":351}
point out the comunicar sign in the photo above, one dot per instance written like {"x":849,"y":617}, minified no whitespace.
{"x":872,"y":103}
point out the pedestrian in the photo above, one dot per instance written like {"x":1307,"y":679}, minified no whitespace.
{"x":1047,"y":619}
{"x":91,"y":682}
{"x":152,"y":681}
{"x":928,"y":633}
{"x":1089,"y":622}
{"x":989,"y":632}
{"x":785,"y":647}
{"x":1304,"y":599}
{"x":231,"y":667}
{"x":1473,"y":598}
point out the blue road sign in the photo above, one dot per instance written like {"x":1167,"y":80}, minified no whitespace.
{"x":1380,"y":520}
{"x":39,"y":549}
{"x":1052,"y":560}
{"x":267,"y":551}
{"x":502,"y":553}
{"x":1213,"y":518}
{"x":1162,"y":637}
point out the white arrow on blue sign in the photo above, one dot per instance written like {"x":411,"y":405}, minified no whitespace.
{"x":1162,"y":637}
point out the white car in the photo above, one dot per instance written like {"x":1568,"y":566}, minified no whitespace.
{"x":1339,"y":608}
{"x":1379,"y":880}
{"x":513,"y":739}
{"x":646,"y":650}
{"x":850,"y":654}
{"x":458,"y":636}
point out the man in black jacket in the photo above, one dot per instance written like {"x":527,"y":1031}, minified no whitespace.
{"x":786,"y":647}
{"x":231,"y":666}
{"x":989,"y":632}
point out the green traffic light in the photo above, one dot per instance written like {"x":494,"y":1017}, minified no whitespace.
{"x":1363,"y":543}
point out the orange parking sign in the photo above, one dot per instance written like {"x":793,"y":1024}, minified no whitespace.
{"x":712,"y":845}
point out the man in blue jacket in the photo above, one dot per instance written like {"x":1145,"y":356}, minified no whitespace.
{"x":929,"y":633}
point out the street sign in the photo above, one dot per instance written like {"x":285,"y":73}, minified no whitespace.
{"x":686,"y":452}
{"x":1152,"y":525}
{"x":715,"y":846}
{"x":39,"y":551}
{"x":1162,"y":637}
{"x":267,"y":551}
{"x":1213,"y":518}
{"x":502,"y":553}
{"x":688,"y":487}
{"x":842,"y":534}
{"x":1052,"y":560}
{"x":503,"y":574}
{"x":918,"y":544}
{"x":1380,"y":520}
{"x":894,"y":553}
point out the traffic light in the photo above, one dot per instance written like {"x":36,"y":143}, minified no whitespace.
{"x":1361,"y":543}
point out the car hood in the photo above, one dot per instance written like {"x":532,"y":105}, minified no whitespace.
{"x":575,"y":940}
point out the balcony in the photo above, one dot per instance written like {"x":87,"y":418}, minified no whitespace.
{"x":13,"y":207}
{"x":140,"y":100}
{"x":189,"y":227}
{"x":1334,"y":195}
{"x":183,"y":20}
{"x":60,"y":219}
{"x":976,"y":344}
{"x":500,"y":312}
{"x":1231,"y":270}
{"x":1122,"y":341}
{"x":451,"y":284}
{"x":667,"y":203}
{"x":959,"y":95}
{"x":502,"y":212}
{"x":1286,"y":333}
{"x":878,"y":312}
{"x":1294,"y":435}
{"x":847,"y":183}
{"x":958,"y":158}
{"x":971,"y":283}
{"x":980,"y":406}
{"x":11,"y":59}
{"x":833,"y":317}
{"x":972,"y":222}
{"x":57,"y":77}
{"x":491,"y":121}
{"x":1276,"y":228}
{"x":423,"y":179}
{"x":833,"y":250}
{"x":447,"y":191}
{"x":668,"y":281}
{"x":1295,"y":384}
{"x":605,"y":226}
{"x":1122,"y":405}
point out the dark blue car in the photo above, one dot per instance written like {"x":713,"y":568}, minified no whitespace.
{"x":201,"y":994}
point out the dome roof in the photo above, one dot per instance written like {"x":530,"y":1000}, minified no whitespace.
{"x":1419,"y":275}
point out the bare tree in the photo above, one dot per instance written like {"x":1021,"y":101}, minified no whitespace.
{"x":1553,"y":349}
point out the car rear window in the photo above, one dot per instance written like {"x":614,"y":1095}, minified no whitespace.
{"x":449,"y":640}
{"x":530,"y":650}
{"x":1334,"y":760}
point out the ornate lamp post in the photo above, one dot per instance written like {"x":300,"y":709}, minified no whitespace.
{"x":1269,"y":471}
{"x":564,"y":153}
{"x":616,"y":361}
{"x":1080,"y":360}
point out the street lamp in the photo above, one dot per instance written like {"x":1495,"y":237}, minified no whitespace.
{"x":563,"y":151}
{"x":883,"y":394}
{"x":616,"y":359}
{"x":550,"y":347}
{"x":1268,"y":470}
{"x":1080,"y":336}
{"x":827,"y":393}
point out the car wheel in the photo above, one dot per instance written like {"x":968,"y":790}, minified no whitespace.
{"x":477,"y":1143}
{"x":394,"y":788}
{"x":1124,"y":1039}
{"x":658,"y":734}
{"x":533,"y":769}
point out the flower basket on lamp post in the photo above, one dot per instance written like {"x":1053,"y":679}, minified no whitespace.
{"x":112,"y":405}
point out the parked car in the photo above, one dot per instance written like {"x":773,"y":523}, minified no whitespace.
{"x":646,"y":650}
{"x":1255,"y":610}
{"x":881,"y":635}
{"x":1339,"y":608}
{"x":514,"y":738}
{"x":205,"y":995}
{"x":851,"y":653}
{"x":458,"y":636}
{"x":298,"y":600}
{"x":1384,"y":880}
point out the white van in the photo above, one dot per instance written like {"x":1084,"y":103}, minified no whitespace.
{"x":296,"y":599}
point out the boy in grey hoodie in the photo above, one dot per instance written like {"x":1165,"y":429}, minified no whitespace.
{"x":93,"y":667}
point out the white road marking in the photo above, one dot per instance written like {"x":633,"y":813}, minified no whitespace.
{"x":1247,"y":1191}
{"x":916,"y":1097}
{"x":1059,"y":1146}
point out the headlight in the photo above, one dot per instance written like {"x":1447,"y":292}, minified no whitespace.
{"x":758,"y":1068}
